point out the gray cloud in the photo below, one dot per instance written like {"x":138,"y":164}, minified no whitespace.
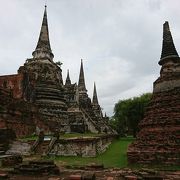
{"x":120,"y":41}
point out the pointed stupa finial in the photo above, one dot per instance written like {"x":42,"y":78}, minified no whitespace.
{"x":81,"y":84}
{"x":45,"y":3}
{"x":43,"y":48}
{"x":68,"y":80}
{"x":105,"y":115}
{"x":168,"y":48}
{"x":95,"y":98}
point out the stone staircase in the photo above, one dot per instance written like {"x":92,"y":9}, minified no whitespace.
{"x":91,"y":124}
{"x":51,"y":144}
{"x":45,"y":147}
{"x":24,"y":148}
{"x":96,"y":125}
{"x":42,"y":147}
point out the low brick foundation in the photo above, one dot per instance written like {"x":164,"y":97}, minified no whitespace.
{"x":85,"y":147}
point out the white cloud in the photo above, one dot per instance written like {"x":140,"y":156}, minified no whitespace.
{"x":120,"y":41}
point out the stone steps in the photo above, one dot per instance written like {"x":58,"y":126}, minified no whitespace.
{"x":42,"y":148}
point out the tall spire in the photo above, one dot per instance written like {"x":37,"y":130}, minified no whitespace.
{"x":43,"y":48}
{"x":168,"y":48}
{"x":105,"y":115}
{"x":68,"y":80}
{"x":81,"y":84}
{"x":95,"y":98}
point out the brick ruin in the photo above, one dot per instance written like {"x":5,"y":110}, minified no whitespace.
{"x":16,"y":114}
{"x":37,"y":98}
{"x":74,"y":146}
{"x":159,"y":138}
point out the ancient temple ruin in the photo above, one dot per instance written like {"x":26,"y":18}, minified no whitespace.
{"x":39,"y":83}
{"x":159,"y":135}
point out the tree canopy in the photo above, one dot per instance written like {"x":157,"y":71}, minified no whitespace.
{"x":128,"y":113}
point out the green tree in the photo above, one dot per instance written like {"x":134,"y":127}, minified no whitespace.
{"x":129,"y":112}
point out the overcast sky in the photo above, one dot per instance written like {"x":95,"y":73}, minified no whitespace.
{"x":119,"y":40}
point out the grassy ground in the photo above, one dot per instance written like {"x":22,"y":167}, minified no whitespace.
{"x":115,"y":156}
{"x":72,"y":135}
{"x":28,"y":138}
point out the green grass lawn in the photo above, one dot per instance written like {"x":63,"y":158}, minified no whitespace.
{"x":28,"y":138}
{"x":115,"y":156}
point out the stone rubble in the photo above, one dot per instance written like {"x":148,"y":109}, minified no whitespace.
{"x":103,"y":174}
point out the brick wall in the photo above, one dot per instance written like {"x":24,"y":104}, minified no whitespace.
{"x":13,"y":82}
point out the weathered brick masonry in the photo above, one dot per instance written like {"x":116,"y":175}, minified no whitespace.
{"x":159,"y":138}
{"x":40,"y":100}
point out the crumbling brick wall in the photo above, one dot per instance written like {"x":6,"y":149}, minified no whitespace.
{"x":12,"y":83}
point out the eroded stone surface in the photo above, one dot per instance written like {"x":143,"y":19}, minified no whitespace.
{"x":38,"y":88}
